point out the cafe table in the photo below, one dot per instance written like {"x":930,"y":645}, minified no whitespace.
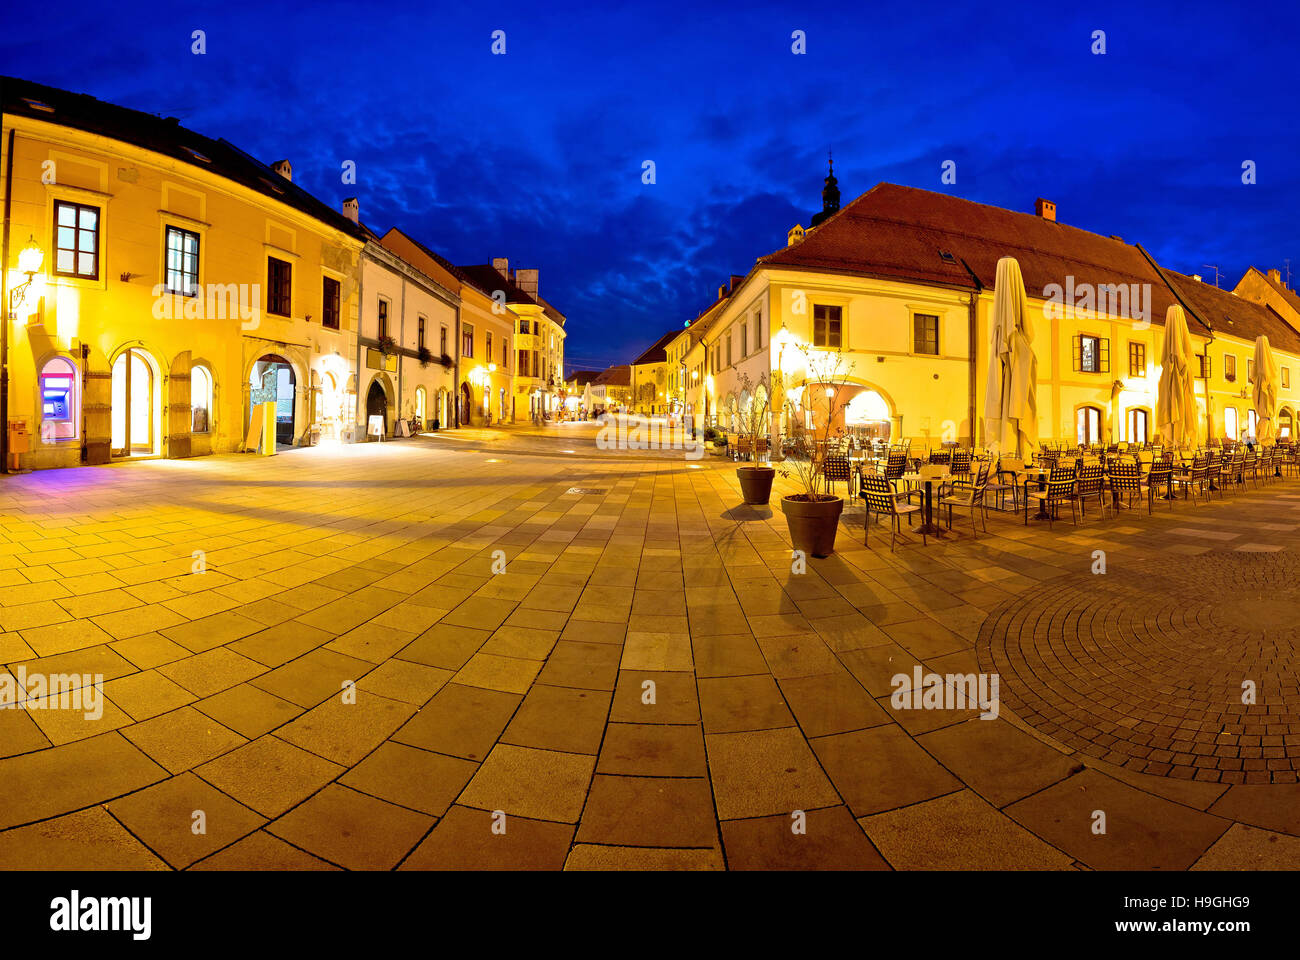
{"x":1037,"y":475}
{"x":928,"y":476}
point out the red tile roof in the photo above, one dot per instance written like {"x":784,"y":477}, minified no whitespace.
{"x":900,"y":233}
{"x":1227,"y":313}
{"x":620,"y":376}
{"x":656,"y":353}
{"x":165,"y":136}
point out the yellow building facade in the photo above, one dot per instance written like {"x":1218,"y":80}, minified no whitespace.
{"x":179,"y":285}
{"x":898,"y":289}
{"x":405,"y":319}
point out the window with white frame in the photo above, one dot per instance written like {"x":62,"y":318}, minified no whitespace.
{"x":182,"y":261}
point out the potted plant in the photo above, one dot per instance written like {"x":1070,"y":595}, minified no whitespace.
{"x":752,"y":425}
{"x":425,"y":356}
{"x":387,"y":345}
{"x":813,"y":514}
{"x":445,"y":360}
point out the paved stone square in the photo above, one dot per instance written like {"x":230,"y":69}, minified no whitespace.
{"x":507,"y":649}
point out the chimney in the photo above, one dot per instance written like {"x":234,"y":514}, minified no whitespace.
{"x":284,"y":168}
{"x":526,"y":280}
{"x":794,"y":235}
{"x":722,"y":292}
{"x":1275,"y":276}
{"x":1045,"y":209}
{"x":502,"y":266}
{"x":352,"y":210}
{"x":735,"y":282}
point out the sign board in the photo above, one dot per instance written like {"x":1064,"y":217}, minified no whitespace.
{"x":403,"y":428}
{"x":261,"y":430}
{"x":375,"y":426}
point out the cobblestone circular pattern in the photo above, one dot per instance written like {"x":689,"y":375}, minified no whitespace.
{"x":1144,"y":666}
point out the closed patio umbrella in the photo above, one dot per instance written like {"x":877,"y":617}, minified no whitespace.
{"x":1265,"y":390}
{"x":1011,"y":396}
{"x":1175,"y":396}
{"x":586,"y":399}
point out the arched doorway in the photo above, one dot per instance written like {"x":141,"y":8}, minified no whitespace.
{"x":330,"y":416}
{"x":376,"y":404}
{"x":466,"y":404}
{"x":420,"y":405}
{"x":272,"y":380}
{"x":135,"y":407}
{"x":867,"y":415}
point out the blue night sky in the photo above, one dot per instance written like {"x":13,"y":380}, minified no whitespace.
{"x":537,"y":155}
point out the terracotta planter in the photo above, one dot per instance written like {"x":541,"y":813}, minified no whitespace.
{"x":813,"y":523}
{"x":756,"y":483}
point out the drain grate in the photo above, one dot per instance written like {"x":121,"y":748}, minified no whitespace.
{"x":587,"y":491}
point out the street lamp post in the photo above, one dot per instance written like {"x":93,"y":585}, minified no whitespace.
{"x":781,"y":339}
{"x":30,"y":259}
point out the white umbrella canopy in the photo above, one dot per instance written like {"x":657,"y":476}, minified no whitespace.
{"x":1011,"y":396}
{"x":1265,"y":389}
{"x":1176,"y":414}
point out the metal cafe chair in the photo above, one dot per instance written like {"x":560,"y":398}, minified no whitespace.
{"x":836,"y":467}
{"x":878,"y":496}
{"x":895,"y":467}
{"x":1060,"y":489}
{"x":1091,"y":483}
{"x":999,"y":485}
{"x":1160,"y":477}
{"x":969,"y":494}
{"x":1250,"y":467}
{"x":1126,"y":481}
{"x":1195,"y":479}
{"x":960,"y":462}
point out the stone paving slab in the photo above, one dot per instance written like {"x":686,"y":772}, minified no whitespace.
{"x":649,"y":685}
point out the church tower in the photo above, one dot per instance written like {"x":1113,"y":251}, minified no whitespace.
{"x":830,"y":193}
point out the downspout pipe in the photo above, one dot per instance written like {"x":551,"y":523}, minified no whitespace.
{"x":455,"y":383}
{"x":4,"y":309}
{"x":973,"y":312}
{"x":361,"y":310}
{"x":398,"y":414}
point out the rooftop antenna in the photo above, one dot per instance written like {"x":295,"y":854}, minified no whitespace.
{"x":1210,"y":266}
{"x":1287,"y":262}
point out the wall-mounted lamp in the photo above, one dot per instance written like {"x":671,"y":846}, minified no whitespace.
{"x":30,"y":259}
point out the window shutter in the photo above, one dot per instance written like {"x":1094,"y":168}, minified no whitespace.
{"x":1105,"y":355}
{"x":1078,"y":352}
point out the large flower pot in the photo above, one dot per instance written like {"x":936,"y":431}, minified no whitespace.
{"x":755,"y":483}
{"x":813,"y":523}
